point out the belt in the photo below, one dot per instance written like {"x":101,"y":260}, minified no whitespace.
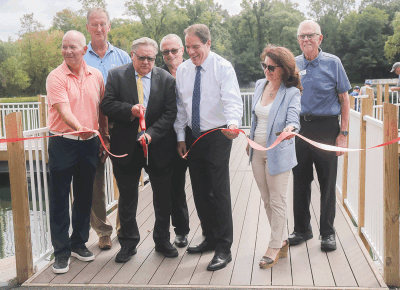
{"x":72,"y":137}
{"x":310,"y":118}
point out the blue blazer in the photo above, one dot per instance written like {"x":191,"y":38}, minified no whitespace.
{"x":285,"y":111}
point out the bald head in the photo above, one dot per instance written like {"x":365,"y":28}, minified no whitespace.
{"x":311,"y":24}
{"x":75,"y":35}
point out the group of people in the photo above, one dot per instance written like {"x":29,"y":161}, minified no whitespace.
{"x":99,"y":87}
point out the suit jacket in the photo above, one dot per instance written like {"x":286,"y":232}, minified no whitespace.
{"x":285,"y":111}
{"x":119,"y":97}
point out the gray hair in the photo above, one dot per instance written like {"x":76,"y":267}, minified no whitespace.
{"x":97,"y":9}
{"x":169,"y":36}
{"x":315,"y":25}
{"x":199,"y":30}
{"x":78,"y":35}
{"x":144,"y":41}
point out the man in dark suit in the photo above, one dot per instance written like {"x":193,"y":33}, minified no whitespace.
{"x":130,"y":87}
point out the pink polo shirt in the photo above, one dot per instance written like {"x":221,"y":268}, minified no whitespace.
{"x":83,"y":96}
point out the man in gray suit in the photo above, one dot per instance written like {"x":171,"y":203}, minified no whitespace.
{"x":129,"y":88}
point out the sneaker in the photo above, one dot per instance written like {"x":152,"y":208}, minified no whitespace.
{"x":167,"y":249}
{"x":125,"y":254}
{"x":82,"y":254}
{"x":105,"y":243}
{"x":61,"y":265}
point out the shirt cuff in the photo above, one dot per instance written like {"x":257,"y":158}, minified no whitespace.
{"x":180,"y":136}
{"x":233,"y":122}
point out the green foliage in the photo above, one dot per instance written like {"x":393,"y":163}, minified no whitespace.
{"x":123,"y":35}
{"x":337,"y":8}
{"x":68,"y":19}
{"x":18,"y":99}
{"x":392,"y":46}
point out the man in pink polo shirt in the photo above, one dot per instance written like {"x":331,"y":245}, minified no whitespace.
{"x":74,"y":91}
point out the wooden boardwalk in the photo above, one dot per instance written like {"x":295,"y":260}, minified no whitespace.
{"x":306,"y":267}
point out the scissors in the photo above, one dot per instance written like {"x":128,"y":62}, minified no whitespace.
{"x":144,"y":141}
{"x":280,"y":132}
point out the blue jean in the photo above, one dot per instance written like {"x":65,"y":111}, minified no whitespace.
{"x":78,"y":159}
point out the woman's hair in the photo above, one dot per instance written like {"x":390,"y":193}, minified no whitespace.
{"x":284,"y":58}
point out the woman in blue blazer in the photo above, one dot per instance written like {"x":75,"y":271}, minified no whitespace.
{"x":276,"y":108}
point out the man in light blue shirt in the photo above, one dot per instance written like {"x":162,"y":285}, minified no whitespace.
{"x":103,"y":56}
{"x":324,"y":99}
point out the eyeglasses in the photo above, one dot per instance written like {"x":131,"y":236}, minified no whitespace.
{"x":271,"y":68}
{"x":173,"y":51}
{"x":143,"y":58}
{"x":309,"y":36}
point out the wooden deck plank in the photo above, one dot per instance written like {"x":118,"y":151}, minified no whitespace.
{"x":243,"y":266}
{"x":301,"y":269}
{"x":238,"y":215}
{"x":261,"y":277}
{"x":340,"y":268}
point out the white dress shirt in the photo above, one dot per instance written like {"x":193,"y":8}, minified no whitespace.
{"x":221,"y":102}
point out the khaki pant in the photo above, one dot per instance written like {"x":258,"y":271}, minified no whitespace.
{"x":273,"y":191}
{"x":98,"y":215}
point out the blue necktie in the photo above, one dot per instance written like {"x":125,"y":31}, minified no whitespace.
{"x":196,"y":105}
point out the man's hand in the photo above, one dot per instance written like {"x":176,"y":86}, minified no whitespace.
{"x":103,"y":154}
{"x":148,"y":137}
{"x":230,"y":135}
{"x":85,"y":135}
{"x":394,"y":89}
{"x":181,"y":147}
{"x":341,"y":141}
{"x":136,"y":111}
{"x":289,"y":129}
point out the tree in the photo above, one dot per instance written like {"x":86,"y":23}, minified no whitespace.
{"x":68,"y":19}
{"x":392,"y":45}
{"x":122,"y":36}
{"x":29,"y":25}
{"x":87,"y":4}
{"x":338,"y":8}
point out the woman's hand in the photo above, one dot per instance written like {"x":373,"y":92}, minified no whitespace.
{"x":248,"y":149}
{"x":289,"y":129}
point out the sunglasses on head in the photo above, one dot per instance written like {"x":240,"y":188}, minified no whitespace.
{"x":173,"y":51}
{"x":271,"y":68}
{"x":143,"y":58}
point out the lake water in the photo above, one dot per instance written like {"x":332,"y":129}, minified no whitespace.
{"x":6,"y":226}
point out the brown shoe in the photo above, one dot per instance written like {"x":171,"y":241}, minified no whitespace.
{"x":105,"y":243}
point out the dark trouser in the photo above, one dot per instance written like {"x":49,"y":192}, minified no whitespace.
{"x":323,"y":131}
{"x":127,"y":177}
{"x":179,"y":209}
{"x":69,"y":158}
{"x":209,"y":173}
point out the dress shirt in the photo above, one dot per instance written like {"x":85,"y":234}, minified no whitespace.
{"x":221,"y":102}
{"x":113,"y":57}
{"x":146,"y":80}
{"x":322,"y":79}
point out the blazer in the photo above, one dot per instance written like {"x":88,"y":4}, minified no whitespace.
{"x":119,"y":97}
{"x":285,"y":111}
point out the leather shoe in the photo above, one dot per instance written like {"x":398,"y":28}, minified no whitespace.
{"x":125,"y":254}
{"x":219,"y":261}
{"x":328,"y":243}
{"x":297,"y":238}
{"x":181,"y":241}
{"x":167,"y":249}
{"x":203,"y":247}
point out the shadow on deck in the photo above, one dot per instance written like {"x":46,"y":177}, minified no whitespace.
{"x":306,"y":267}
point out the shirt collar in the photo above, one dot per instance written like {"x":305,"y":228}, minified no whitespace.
{"x":316,"y":60}
{"x":207,"y":62}
{"x":110,"y":48}
{"x":67,"y":71}
{"x":145,"y":76}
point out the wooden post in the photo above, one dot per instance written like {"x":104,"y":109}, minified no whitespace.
{"x":43,"y":120}
{"x":19,"y":198}
{"x":386,"y":98}
{"x":366,"y":109}
{"x":390,"y":198}
{"x":379,"y":100}
{"x":352,"y":102}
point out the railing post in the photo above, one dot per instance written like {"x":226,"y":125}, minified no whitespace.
{"x":390,"y":197}
{"x":352,"y":102}
{"x":386,"y":99}
{"x":366,"y":109}
{"x":43,"y":120}
{"x":19,"y":198}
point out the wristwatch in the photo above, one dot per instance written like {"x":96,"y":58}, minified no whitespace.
{"x":345,"y":133}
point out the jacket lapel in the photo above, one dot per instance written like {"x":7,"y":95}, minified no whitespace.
{"x":131,"y":80}
{"x":275,"y":107}
{"x":258,"y":94}
{"x":155,"y":80}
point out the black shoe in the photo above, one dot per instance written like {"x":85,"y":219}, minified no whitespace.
{"x":167,"y":249}
{"x":328,"y":243}
{"x":82,"y":254}
{"x":297,"y":238}
{"x":61,"y":265}
{"x":205,"y":246}
{"x":181,"y":241}
{"x":125,"y":254}
{"x":219,"y":261}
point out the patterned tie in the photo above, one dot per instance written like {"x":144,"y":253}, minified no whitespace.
{"x":139,"y":85}
{"x":196,"y":105}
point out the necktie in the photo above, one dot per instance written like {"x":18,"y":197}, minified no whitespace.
{"x":196,"y":105}
{"x":139,"y":85}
